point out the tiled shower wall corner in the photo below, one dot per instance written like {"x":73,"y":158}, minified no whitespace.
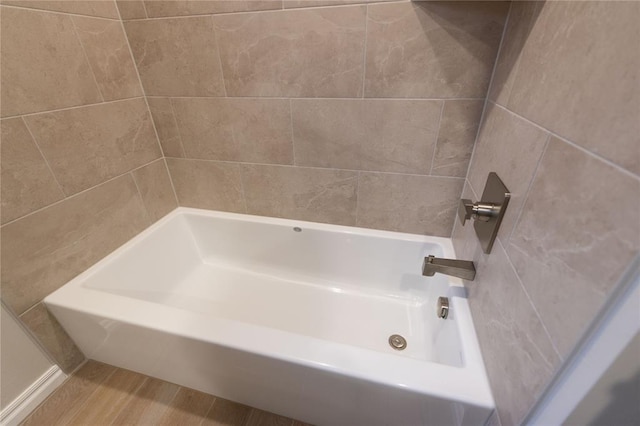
{"x":363,"y":113}
{"x":561,"y":128}
{"x":359,"y":114}
{"x":82,"y":168}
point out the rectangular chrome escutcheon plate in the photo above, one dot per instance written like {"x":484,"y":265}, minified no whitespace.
{"x":496,"y":193}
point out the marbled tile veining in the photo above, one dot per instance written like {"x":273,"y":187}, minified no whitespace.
{"x":294,"y":53}
{"x":33,"y":76}
{"x":578,"y":231}
{"x":176,"y":57}
{"x":86,"y":146}
{"x":27,"y":181}
{"x":432,"y":49}
{"x":234,"y":129}
{"x":43,"y":251}
{"x":374,"y":135}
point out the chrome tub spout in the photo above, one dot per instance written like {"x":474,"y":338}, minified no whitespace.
{"x":456,"y":268}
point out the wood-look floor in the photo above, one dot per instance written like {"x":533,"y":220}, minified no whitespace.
{"x":100,"y":394}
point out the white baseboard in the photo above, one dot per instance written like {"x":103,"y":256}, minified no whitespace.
{"x":28,"y":400}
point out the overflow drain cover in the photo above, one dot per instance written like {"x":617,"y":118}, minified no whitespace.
{"x":397,"y":342}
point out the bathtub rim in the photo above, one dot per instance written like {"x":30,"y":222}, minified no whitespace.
{"x":439,"y":380}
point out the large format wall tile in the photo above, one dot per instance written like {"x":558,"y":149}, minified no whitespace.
{"x":432,"y":49}
{"x":511,"y":147}
{"x":154,"y":183}
{"x":86,"y":146}
{"x":374,"y":135}
{"x":101,"y":8}
{"x":601,"y":102}
{"x":43,"y":251}
{"x":166,"y":126}
{"x":517,"y":352}
{"x":456,"y":137}
{"x":522,"y":17}
{"x":27,"y":181}
{"x":207,"y":184}
{"x":43,"y":65}
{"x":162,"y":8}
{"x":176,"y":57}
{"x":417,"y":204}
{"x":297,"y":53}
{"x":249,"y":130}
{"x":108,"y":53}
{"x":50,"y":333}
{"x":578,"y":231}
{"x":315,"y":195}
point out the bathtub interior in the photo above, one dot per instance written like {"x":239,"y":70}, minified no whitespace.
{"x":335,"y":285}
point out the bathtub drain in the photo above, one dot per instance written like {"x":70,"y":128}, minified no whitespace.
{"x":397,"y":342}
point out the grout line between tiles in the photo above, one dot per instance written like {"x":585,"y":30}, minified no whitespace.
{"x":363,"y":3}
{"x":281,"y":9}
{"x":56,"y":12}
{"x":314,"y":167}
{"x":435,"y":145}
{"x":26,"y":311}
{"x":319,"y":98}
{"x":146,"y":101}
{"x":86,"y":400}
{"x":35,"y":141}
{"x":248,"y":419}
{"x":206,"y":414}
{"x":72,"y":107}
{"x":244,"y":194}
{"x":75,"y":370}
{"x":144,"y":7}
{"x":175,"y":120}
{"x":124,"y":400}
{"x":86,"y":58}
{"x":129,"y":396}
{"x":526,"y":193}
{"x":515,"y":68}
{"x":364,"y":49}
{"x":475,"y":195}
{"x":78,"y":193}
{"x":486,"y":98}
{"x":173,"y":187}
{"x":515,"y":114}
{"x":144,"y":93}
{"x":215,"y":38}
{"x":144,"y":205}
{"x":175,"y":395}
{"x":358,"y":199}
{"x":293,"y":138}
{"x":535,"y":309}
{"x":29,"y":309}
{"x":573,"y":144}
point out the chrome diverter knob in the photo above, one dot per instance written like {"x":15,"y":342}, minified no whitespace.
{"x":488,"y":212}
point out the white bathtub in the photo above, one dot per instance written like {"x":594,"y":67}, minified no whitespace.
{"x":287,"y":316}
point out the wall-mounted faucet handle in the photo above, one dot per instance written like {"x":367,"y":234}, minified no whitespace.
{"x":477,"y":211}
{"x":488,"y":212}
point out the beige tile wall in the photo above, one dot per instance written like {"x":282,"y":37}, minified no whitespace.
{"x":356,"y":112}
{"x":82,"y":169}
{"x":352,"y":112}
{"x":561,"y":128}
